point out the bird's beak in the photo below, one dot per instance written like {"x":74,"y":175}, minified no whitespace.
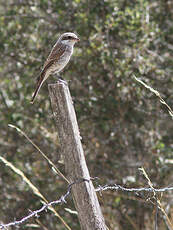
{"x":77,"y":39}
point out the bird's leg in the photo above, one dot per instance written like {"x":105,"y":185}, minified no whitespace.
{"x":60,"y":79}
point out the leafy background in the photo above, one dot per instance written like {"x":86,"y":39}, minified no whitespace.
{"x":123,"y":125}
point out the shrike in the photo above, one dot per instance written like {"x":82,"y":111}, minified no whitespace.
{"x":57,"y":59}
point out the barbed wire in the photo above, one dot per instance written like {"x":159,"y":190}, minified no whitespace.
{"x":63,"y":198}
{"x":120,"y":188}
{"x":35,"y":213}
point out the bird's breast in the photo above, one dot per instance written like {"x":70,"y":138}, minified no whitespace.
{"x":63,"y":60}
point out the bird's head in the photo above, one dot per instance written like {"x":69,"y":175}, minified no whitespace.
{"x":69,"y":38}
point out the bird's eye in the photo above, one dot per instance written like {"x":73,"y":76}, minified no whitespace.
{"x":69,"y":37}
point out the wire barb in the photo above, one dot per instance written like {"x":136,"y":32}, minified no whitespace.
{"x":63,"y":198}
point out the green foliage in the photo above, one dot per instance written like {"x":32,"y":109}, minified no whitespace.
{"x":124,"y":126}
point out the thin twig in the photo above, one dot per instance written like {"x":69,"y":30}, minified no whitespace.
{"x":33,"y":187}
{"x":64,"y":197}
{"x":44,"y":155}
{"x":158,"y":203}
{"x":170,"y":111}
{"x":36,"y":213}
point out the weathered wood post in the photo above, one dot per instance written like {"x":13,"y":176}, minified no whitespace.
{"x":84,"y":195}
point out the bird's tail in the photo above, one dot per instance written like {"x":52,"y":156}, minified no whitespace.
{"x":38,"y":86}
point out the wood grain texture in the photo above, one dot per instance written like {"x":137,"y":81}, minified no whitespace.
{"x":84,"y":195}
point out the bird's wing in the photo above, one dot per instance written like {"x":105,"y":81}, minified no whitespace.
{"x":53,"y":57}
{"x":56,"y":52}
{"x":41,"y":79}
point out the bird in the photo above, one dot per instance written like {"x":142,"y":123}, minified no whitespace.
{"x":58,"y":58}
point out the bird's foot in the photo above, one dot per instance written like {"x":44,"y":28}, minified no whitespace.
{"x":62,"y":81}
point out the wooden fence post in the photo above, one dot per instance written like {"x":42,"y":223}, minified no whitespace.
{"x":84,"y":195}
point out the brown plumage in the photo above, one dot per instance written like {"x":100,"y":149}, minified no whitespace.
{"x":57,"y":59}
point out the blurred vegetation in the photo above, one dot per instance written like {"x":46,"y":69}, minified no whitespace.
{"x":123,"y":125}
